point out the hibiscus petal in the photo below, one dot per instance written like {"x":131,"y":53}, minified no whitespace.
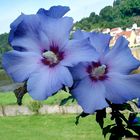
{"x":25,"y":25}
{"x":55,"y":11}
{"x":77,"y":51}
{"x":78,"y":34}
{"x":79,"y":71}
{"x":90,"y":96}
{"x":30,"y":44}
{"x":25,"y":44}
{"x":20,"y":65}
{"x":14,"y":26}
{"x":58,"y":30}
{"x":28,"y":35}
{"x":122,"y":88}
{"x":120,"y":58}
{"x":47,"y":81}
{"x":100,"y":42}
{"x":41,"y":30}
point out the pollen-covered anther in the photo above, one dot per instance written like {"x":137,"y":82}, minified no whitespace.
{"x":51,"y":56}
{"x":98,"y":71}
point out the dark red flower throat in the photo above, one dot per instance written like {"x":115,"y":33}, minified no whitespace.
{"x":53,"y":56}
{"x":97,"y":71}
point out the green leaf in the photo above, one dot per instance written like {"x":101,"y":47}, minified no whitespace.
{"x":107,"y":129}
{"x":136,"y":129}
{"x":100,"y":115}
{"x":20,"y":92}
{"x":118,"y":131}
{"x":128,"y":133}
{"x":118,"y":121}
{"x":64,"y":101}
{"x":122,"y":107}
{"x":115,"y":137}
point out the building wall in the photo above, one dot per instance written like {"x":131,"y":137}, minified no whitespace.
{"x":132,"y":39}
{"x":138,"y":39}
{"x":136,"y":52}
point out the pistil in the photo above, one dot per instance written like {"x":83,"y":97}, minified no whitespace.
{"x":50,"y":56}
{"x":99,"y":71}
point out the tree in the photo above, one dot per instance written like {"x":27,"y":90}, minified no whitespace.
{"x":130,"y":8}
{"x":116,"y":2}
{"x":94,"y":18}
{"x":106,"y":13}
{"x":4,"y":46}
{"x":123,"y":13}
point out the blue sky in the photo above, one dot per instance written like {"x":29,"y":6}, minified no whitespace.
{"x":11,"y":9}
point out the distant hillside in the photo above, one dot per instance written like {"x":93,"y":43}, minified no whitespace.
{"x":123,"y":14}
{"x":4,"y":46}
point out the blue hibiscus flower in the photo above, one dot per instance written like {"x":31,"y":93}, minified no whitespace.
{"x":42,"y":51}
{"x":107,"y":78}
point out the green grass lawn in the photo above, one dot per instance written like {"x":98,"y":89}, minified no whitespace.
{"x":10,"y":99}
{"x":49,"y":127}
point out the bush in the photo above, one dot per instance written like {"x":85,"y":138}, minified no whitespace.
{"x":35,"y":106}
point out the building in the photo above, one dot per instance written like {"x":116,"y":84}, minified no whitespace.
{"x":115,"y":31}
{"x":137,"y":31}
{"x":129,"y":35}
{"x":106,"y":31}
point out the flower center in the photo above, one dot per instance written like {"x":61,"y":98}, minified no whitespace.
{"x":50,"y":56}
{"x":97,"y":71}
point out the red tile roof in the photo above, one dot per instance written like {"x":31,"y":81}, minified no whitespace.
{"x":115,"y":29}
{"x":127,"y":34}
